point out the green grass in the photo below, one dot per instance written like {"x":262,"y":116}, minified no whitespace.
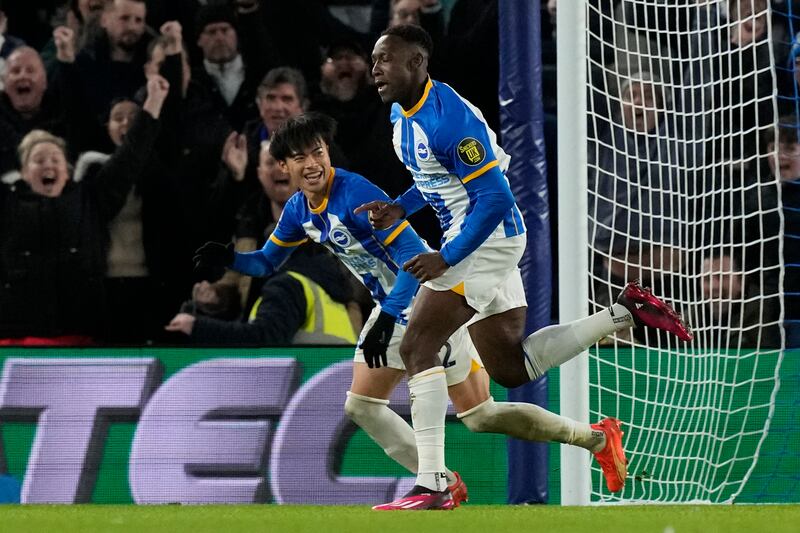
{"x":484,"y":519}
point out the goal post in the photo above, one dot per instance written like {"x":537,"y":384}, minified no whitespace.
{"x":572,"y":234}
{"x":666,"y":110}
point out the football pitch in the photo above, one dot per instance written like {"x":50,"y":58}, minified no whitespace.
{"x":468,"y":518}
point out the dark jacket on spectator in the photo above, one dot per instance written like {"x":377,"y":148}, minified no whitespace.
{"x":281,"y":312}
{"x":53,"y":250}
{"x":259,"y":55}
{"x":101,"y":81}
{"x":13,"y":127}
{"x":187,"y":160}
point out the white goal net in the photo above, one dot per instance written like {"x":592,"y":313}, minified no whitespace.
{"x":682,"y":115}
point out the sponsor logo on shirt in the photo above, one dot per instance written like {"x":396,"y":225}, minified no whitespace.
{"x":430,"y":181}
{"x":363,"y":263}
{"x":340,"y":237}
{"x":471,"y":151}
{"x":422,"y":151}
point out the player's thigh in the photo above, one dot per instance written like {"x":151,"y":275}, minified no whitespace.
{"x":471,"y":392}
{"x":435,"y":317}
{"x":375,"y":382}
{"x":498,"y":339}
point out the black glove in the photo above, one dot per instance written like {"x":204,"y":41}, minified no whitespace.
{"x":213,"y":255}
{"x":377,"y":340}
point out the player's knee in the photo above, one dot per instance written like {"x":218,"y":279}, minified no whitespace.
{"x":358,"y":407}
{"x":480,"y":419}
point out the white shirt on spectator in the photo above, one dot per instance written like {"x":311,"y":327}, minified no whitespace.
{"x":228,"y":76}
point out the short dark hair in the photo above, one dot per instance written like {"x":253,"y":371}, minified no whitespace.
{"x":300,"y":133}
{"x":411,"y":33}
{"x":280,"y":75}
{"x":787,"y":131}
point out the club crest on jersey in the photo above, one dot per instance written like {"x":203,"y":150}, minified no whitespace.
{"x":422,"y":151}
{"x":340,"y":237}
{"x":471,"y":151}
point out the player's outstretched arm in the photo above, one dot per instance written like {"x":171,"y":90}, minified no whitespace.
{"x":382,"y":215}
{"x":262,"y":263}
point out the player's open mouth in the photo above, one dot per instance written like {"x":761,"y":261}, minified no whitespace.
{"x":313,"y":178}
{"x":48,"y":180}
{"x":381,"y":85}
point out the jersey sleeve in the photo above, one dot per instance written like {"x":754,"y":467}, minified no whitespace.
{"x":411,"y":201}
{"x":493,"y":199}
{"x":403,"y":246}
{"x":287,"y":236}
{"x":401,"y":242}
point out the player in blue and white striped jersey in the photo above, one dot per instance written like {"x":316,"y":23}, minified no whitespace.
{"x":323,"y":211}
{"x":459,"y":170}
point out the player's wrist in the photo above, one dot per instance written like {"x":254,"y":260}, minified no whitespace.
{"x":444,"y":253}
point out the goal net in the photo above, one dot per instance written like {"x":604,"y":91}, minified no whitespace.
{"x":682,"y":122}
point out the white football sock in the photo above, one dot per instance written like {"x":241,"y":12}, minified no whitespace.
{"x":428,"y":391}
{"x":388,"y":429}
{"x":554,"y":345}
{"x":527,"y":421}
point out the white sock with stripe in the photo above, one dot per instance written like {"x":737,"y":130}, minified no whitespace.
{"x":388,"y":429}
{"x":554,"y":345}
{"x":428,"y":391}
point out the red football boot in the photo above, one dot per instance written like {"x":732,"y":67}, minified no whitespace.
{"x":612,"y":458}
{"x":458,"y":491}
{"x":648,"y":310}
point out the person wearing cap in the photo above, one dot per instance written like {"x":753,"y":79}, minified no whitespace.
{"x":236,"y":53}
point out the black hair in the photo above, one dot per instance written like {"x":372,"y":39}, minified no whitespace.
{"x":119,"y":100}
{"x":411,"y":33}
{"x":301,"y":133}
{"x":788,"y":127}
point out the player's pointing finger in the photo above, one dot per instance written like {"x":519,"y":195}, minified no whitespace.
{"x":369,"y":206}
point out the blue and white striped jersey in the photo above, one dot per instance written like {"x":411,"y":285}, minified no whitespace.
{"x":374,"y":256}
{"x":447,"y":146}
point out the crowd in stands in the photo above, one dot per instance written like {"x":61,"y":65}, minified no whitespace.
{"x":683,"y":174}
{"x":133,"y":131}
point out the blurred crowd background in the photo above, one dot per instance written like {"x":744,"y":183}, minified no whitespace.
{"x":132,"y":132}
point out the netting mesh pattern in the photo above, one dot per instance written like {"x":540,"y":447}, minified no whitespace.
{"x":684,"y":195}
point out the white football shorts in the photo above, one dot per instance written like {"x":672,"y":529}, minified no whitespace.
{"x":458,"y":356}
{"x":488,"y":278}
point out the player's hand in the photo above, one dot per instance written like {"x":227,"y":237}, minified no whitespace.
{"x":182,"y":322}
{"x":426,"y":267}
{"x":377,"y":340}
{"x":381,"y":214}
{"x":214,"y":255}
